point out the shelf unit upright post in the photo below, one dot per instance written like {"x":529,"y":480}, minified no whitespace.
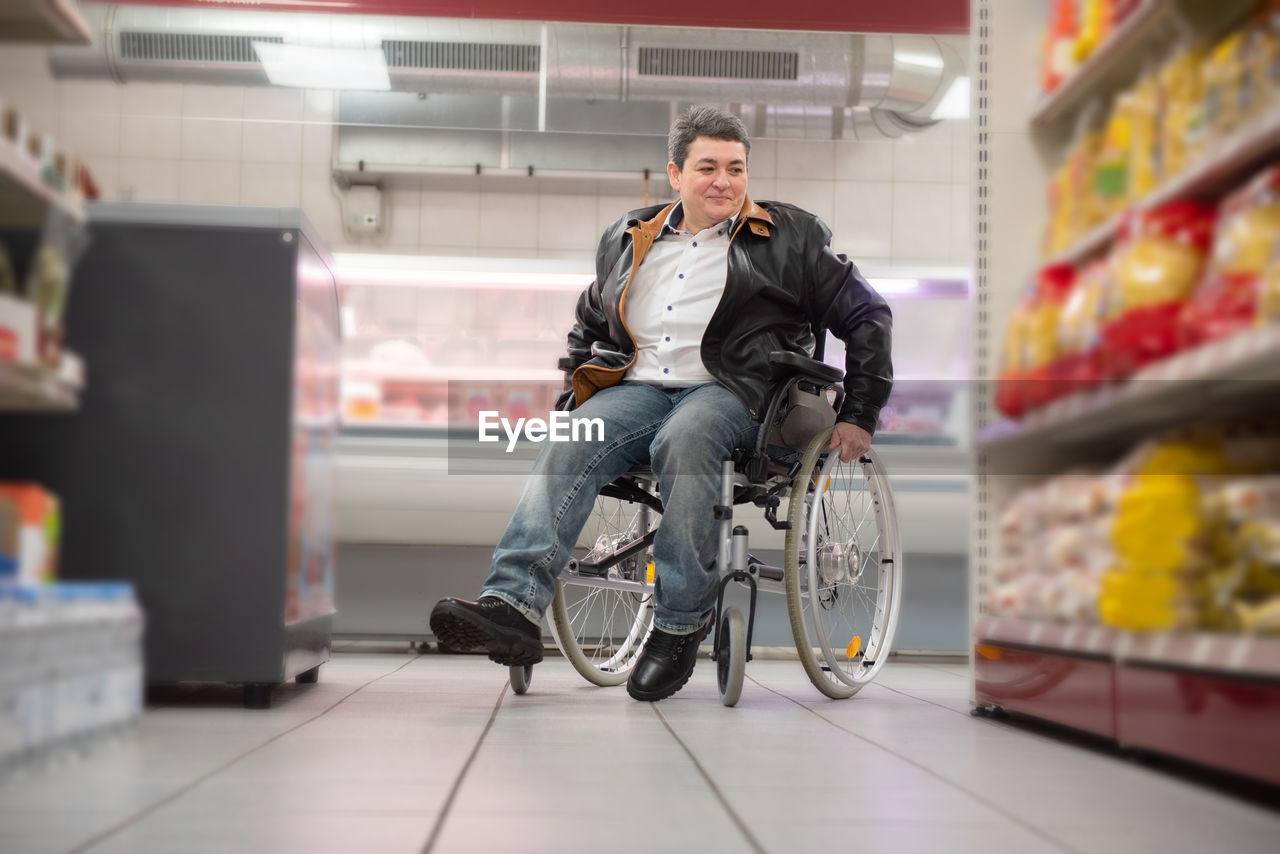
{"x":1207,"y":698}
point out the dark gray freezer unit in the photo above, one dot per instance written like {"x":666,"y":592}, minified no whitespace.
{"x":201,"y":463}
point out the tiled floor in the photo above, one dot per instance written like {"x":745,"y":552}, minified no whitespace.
{"x":393,"y":752}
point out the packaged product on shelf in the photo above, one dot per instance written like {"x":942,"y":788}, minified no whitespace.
{"x":1247,"y":237}
{"x":1266,"y":59}
{"x":1143,"y":169}
{"x":17,"y":330}
{"x":1228,"y":91}
{"x":1054,"y":549}
{"x":32,"y":555}
{"x":62,"y":242}
{"x":1059,"y":44}
{"x":1269,"y":290}
{"x":1181,"y":117}
{"x":1073,"y":203}
{"x":1080,"y":365}
{"x":1161,"y":552}
{"x":1009,"y":399}
{"x":1053,"y":284}
{"x":1112,"y":175}
{"x":14,"y":132}
{"x":1095,"y":24}
{"x":1245,"y":586}
{"x":1154,"y":266}
{"x":1178,"y":546}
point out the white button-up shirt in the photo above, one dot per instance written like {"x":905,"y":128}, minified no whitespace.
{"x":671,"y":299}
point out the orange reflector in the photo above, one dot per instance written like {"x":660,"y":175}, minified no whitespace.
{"x":648,"y":573}
{"x":991,"y":653}
{"x":855,"y":646}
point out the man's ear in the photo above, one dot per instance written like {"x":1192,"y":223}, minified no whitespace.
{"x":673,"y":175}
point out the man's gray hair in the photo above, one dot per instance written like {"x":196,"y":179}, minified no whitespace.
{"x":704,"y":121}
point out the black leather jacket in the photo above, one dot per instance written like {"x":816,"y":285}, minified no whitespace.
{"x":783,"y":280}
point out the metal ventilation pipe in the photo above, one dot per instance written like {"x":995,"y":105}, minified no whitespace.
{"x":893,"y":82}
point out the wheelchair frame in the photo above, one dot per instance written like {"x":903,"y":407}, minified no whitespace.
{"x":758,"y":477}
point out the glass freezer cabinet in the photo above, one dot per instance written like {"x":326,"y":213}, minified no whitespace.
{"x":201,"y":464}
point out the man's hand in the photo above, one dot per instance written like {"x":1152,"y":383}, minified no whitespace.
{"x":851,"y":439}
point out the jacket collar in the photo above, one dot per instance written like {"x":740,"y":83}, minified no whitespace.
{"x":756,"y":215}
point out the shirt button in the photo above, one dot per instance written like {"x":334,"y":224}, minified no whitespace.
{"x":680,"y":275}
{"x":666,"y":370}
{"x":668,"y":338}
{"x":695,"y":243}
{"x":668,"y":308}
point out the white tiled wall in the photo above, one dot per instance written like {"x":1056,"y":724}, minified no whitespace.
{"x":887,"y":202}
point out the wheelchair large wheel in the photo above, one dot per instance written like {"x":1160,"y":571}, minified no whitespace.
{"x":601,"y":620}
{"x":843,"y":568}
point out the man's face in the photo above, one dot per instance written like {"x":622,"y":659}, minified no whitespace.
{"x":713,"y":182}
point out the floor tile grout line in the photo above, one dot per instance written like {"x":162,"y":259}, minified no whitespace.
{"x":923,"y":700}
{"x":724,"y":802}
{"x":104,"y":835}
{"x":948,"y":672}
{"x":1024,"y":824}
{"x":462,"y":774}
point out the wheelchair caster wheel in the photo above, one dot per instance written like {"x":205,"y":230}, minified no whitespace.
{"x":731,"y":655}
{"x":521,"y":676}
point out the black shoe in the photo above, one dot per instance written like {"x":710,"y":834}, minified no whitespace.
{"x":490,"y":624}
{"x":665,"y":664}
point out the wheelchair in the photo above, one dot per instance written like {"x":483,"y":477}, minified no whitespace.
{"x":842,"y":565}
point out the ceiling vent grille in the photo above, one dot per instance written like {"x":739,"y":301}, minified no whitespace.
{"x":722,"y":64}
{"x":190,"y":47}
{"x":463,"y":56}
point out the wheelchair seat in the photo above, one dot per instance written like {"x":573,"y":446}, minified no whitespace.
{"x":842,"y":565}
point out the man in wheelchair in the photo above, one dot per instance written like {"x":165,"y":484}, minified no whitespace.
{"x":675,"y":348}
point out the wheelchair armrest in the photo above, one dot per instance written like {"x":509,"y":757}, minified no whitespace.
{"x":791,"y":364}
{"x":565,"y":364}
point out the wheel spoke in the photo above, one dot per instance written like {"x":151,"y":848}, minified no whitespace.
{"x":841,"y":538}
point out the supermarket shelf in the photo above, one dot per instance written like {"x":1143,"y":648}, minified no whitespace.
{"x":1115,"y":63}
{"x":1222,"y":169}
{"x":416,"y":373}
{"x":30,"y":388}
{"x":1042,"y":634}
{"x":1252,"y":656}
{"x":1243,"y":368}
{"x":25,"y":200}
{"x":1244,"y":655}
{"x":1094,"y":242}
{"x":44,"y":21}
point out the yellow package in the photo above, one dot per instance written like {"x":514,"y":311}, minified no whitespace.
{"x":1111,"y":172}
{"x":1180,"y":114}
{"x":1012,"y":353}
{"x":1225,"y":87}
{"x":1040,"y":342}
{"x":1143,"y":158}
{"x":1082,"y":312}
{"x":1269,"y":292}
{"x":1058,"y":233}
{"x":1266,"y":57}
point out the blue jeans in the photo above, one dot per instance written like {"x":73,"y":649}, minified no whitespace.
{"x":684,"y":435}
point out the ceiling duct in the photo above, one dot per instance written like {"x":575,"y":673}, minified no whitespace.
{"x":885,"y":84}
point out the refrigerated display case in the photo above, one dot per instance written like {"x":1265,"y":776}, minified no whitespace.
{"x":201,"y":465}
{"x":1177,"y":685}
{"x":431,"y":342}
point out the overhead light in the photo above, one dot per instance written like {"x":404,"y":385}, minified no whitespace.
{"x":954,"y":104}
{"x":895,"y":286}
{"x":305,"y":67}
{"x":352,"y":275}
